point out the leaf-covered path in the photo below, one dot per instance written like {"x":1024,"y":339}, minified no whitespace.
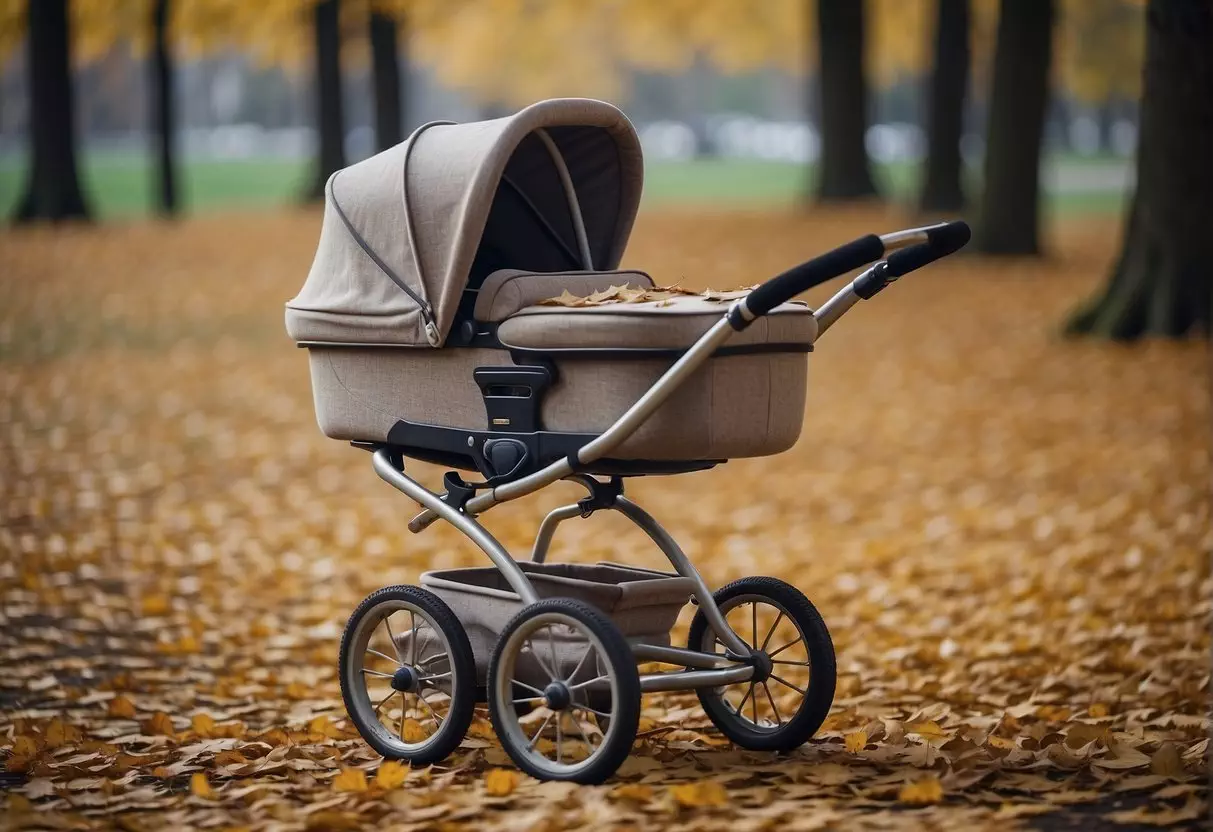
{"x":1007,"y":533}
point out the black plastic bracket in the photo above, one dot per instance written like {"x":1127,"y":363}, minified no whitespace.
{"x":602,"y":495}
{"x":513,"y":396}
{"x":458,"y":492}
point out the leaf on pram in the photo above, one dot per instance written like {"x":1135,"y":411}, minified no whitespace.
{"x":661,"y":295}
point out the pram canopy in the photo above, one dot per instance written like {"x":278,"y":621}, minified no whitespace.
{"x":552,"y":188}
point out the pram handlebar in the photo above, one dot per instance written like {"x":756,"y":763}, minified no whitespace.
{"x":945,"y":240}
{"x":799,"y":279}
{"x":927,"y":243}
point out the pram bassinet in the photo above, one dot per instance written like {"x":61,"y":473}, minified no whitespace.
{"x":422,"y":320}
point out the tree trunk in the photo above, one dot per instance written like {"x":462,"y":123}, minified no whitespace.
{"x":1163,"y":281}
{"x":52,"y":190}
{"x":330,"y":120}
{"x":163,"y":110}
{"x":844,"y":170}
{"x":942,"y":189}
{"x":1009,"y":221}
{"x":385,"y":65}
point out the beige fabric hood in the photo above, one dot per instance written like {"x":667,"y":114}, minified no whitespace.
{"x":554,"y":187}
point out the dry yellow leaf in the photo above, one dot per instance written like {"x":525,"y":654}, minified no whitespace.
{"x":1098,"y":709}
{"x":856,"y":740}
{"x":635,"y":792}
{"x":350,"y":780}
{"x":19,"y":804}
{"x":203,"y":725}
{"x":120,"y":708}
{"x":160,"y":724}
{"x":701,"y":793}
{"x":500,"y":782}
{"x":921,"y":792}
{"x":926,"y":730}
{"x":230,"y":757}
{"x":391,"y":774}
{"x":1166,"y":761}
{"x":25,"y":745}
{"x":200,"y":787}
{"x":156,"y":605}
{"x":414,"y":731}
{"x":60,"y":733}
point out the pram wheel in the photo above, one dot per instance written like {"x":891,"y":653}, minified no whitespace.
{"x":408,"y":676}
{"x":791,"y":693}
{"x":564,"y":654}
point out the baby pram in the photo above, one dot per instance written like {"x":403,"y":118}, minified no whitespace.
{"x":430,"y":338}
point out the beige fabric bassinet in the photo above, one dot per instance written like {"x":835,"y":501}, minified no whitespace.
{"x":422,"y":312}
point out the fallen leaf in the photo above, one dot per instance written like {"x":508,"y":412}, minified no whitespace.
{"x":199,"y":787}
{"x":120,"y":708}
{"x":927,"y":790}
{"x":391,"y":775}
{"x":350,"y":780}
{"x":856,"y":740}
{"x":499,"y":782}
{"x":701,"y":793}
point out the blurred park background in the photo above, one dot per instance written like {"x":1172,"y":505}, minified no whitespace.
{"x":727,"y":95}
{"x":1007,"y":530}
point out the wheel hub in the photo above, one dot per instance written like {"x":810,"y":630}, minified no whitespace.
{"x":557,"y":696}
{"x":405,"y":680}
{"x":762,"y":666}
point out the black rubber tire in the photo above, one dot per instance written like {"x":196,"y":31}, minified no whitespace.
{"x":626,"y":717}
{"x":823,"y":673}
{"x":463,"y":662}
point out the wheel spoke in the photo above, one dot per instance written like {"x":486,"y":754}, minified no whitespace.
{"x":446,"y":675}
{"x":744,"y":699}
{"x":526,"y":700}
{"x":754,"y":624}
{"x":771,"y":631}
{"x":774,"y":707}
{"x":404,"y":710}
{"x":754,"y":703}
{"x":539,"y":660}
{"x":796,"y":664}
{"x":375,"y":652}
{"x":588,"y":649}
{"x":387,"y":622}
{"x":528,"y":687}
{"x":377,"y":673}
{"x":433,"y":713}
{"x":581,"y":731}
{"x":788,"y":684}
{"x":383,"y":702}
{"x":594,"y":711}
{"x":581,"y":685}
{"x":413,"y":638}
{"x":555,"y":664}
{"x":791,"y":643}
{"x":539,"y":733}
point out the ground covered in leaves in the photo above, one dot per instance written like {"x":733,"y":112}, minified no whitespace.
{"x":1007,"y":533}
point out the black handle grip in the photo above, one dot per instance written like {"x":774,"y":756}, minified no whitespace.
{"x":941,"y":241}
{"x":801,"y":278}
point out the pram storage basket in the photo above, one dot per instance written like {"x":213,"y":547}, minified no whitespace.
{"x":433,"y":261}
{"x":643,"y":604}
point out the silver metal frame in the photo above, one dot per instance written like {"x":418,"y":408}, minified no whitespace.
{"x":709,"y":671}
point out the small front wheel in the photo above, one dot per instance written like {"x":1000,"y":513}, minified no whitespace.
{"x":408,"y":676}
{"x":575,"y":669}
{"x":790,"y":695}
